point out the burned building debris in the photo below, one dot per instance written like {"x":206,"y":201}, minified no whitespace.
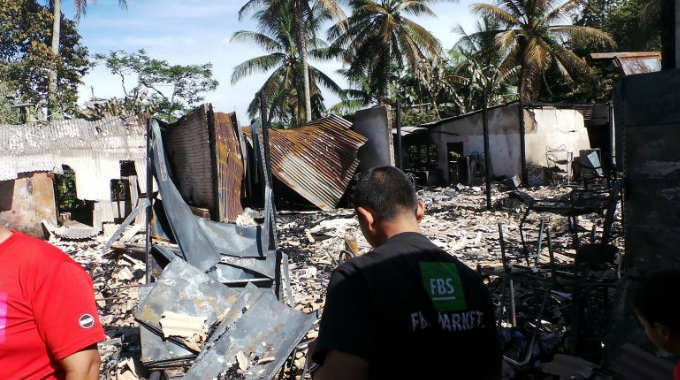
{"x":317,"y":160}
{"x":228,"y":285}
{"x":542,"y":142}
{"x":102,"y":159}
{"x":205,"y":153}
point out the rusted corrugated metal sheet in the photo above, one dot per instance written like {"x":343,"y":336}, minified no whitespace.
{"x":632,"y":62}
{"x":229,"y":166}
{"x":204,"y":151}
{"x":317,"y":160}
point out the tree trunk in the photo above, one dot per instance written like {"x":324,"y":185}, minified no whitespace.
{"x":301,"y":37}
{"x":388,"y":88}
{"x":52,"y":82}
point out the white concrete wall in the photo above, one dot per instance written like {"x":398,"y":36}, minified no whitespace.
{"x":554,"y":128}
{"x":544,"y":127}
{"x":503,"y":139}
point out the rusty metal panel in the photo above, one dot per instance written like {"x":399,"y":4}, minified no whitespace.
{"x":630,"y":63}
{"x":187,"y":142}
{"x":26,"y":201}
{"x":639,"y":65}
{"x":316,"y":160}
{"x":229,"y":166}
{"x":195,"y":244}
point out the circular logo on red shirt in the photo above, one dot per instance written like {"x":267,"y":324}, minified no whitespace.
{"x":86,"y":321}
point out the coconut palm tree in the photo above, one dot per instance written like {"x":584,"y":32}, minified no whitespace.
{"x":380,"y":40}
{"x":303,"y":15}
{"x":533,"y":36}
{"x":283,"y":90}
{"x":81,"y":9}
{"x":482,"y":65}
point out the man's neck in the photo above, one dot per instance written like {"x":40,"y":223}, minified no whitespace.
{"x":390,"y":229}
{"x":4,"y":234}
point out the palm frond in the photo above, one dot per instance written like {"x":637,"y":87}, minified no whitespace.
{"x":506,"y":40}
{"x":325,"y":80}
{"x":266,"y":42}
{"x":495,"y":12}
{"x":584,"y":33}
{"x":563,"y":10}
{"x":256,"y":65}
{"x":415,"y":8}
{"x":423,"y":38}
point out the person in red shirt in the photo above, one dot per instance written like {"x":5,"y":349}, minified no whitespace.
{"x":657,"y":304}
{"x":49,"y":326}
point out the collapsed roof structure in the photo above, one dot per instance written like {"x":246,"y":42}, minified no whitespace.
{"x":316,"y":160}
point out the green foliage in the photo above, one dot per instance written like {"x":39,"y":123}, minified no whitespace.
{"x":172,"y":90}
{"x":305,"y":23}
{"x":8,"y":115}
{"x":479,"y":64}
{"x":284,"y":88}
{"x":65,"y":191}
{"x":26,"y":57}
{"x":535,"y":37}
{"x":378,"y":41}
{"x":633,"y":24}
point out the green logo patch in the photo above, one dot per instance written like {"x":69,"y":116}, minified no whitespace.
{"x":443,"y":285}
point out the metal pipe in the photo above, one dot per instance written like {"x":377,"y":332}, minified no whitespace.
{"x":149,"y":210}
{"x":530,"y":348}
{"x":513,"y":309}
{"x":507,"y":274}
{"x":537,"y":256}
{"x":265,"y":139}
{"x":487,"y":151}
{"x":553,"y":273}
{"x":612,"y":136}
{"x":522,"y":143}
{"x":399,"y":153}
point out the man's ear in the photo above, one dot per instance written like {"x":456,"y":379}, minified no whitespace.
{"x":665,"y":332}
{"x":420,"y":211}
{"x":366,"y":216}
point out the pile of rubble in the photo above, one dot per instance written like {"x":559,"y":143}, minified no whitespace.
{"x":456,"y":220}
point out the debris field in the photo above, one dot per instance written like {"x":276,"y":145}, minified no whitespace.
{"x":456,"y":219}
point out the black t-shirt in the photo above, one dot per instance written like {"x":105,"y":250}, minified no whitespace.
{"x":412,"y":311}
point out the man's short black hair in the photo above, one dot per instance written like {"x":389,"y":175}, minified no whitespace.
{"x":657,"y":298}
{"x":386,"y":190}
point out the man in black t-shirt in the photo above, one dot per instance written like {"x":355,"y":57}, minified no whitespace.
{"x":406,"y":310}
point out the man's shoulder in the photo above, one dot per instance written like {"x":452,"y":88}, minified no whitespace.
{"x":31,"y":250}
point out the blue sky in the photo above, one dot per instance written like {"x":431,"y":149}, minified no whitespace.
{"x":198,"y":31}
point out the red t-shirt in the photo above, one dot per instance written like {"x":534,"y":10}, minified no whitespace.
{"x":676,"y":373}
{"x":47,"y":309}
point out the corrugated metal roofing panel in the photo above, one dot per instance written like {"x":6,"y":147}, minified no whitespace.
{"x":76,"y":231}
{"x":630,"y":63}
{"x":639,"y":65}
{"x":316,"y":160}
{"x":229,"y":166}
